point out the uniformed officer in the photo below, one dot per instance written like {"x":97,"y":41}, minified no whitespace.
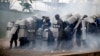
{"x":32,"y":31}
{"x":66,"y":39}
{"x":77,"y":31}
{"x":69,"y":29}
{"x":23,"y":33}
{"x":45,"y":28}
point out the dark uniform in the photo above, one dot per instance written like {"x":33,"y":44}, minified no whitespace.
{"x":69,"y":31}
{"x":23,"y":33}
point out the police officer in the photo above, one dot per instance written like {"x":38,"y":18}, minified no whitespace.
{"x":77,"y":31}
{"x":23,"y":33}
{"x":69,"y":30}
{"x":45,"y":28}
{"x":65,"y":25}
{"x":66,"y":34}
{"x":68,"y":26}
{"x":32,"y":31}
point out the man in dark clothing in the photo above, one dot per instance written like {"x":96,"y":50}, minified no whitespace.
{"x":14,"y":37}
{"x":68,"y":33}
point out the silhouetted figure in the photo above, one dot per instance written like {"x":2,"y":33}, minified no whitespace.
{"x":69,"y":31}
{"x":14,"y":37}
{"x":77,"y":30}
{"x":60,"y":30}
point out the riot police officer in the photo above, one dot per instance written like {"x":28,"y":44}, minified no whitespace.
{"x":45,"y":29}
{"x":23,"y":33}
{"x":32,"y":32}
{"x":70,"y":32}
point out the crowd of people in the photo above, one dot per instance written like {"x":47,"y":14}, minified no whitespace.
{"x":69,"y":33}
